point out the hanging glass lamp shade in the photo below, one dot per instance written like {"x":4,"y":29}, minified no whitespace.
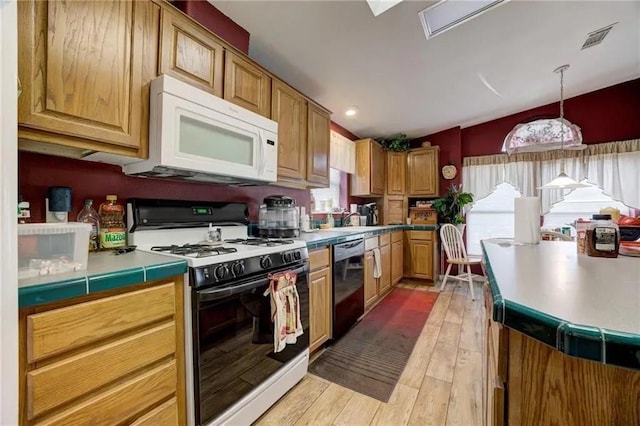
{"x":563,"y":182}
{"x":543,"y":135}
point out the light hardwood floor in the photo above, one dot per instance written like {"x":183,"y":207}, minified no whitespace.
{"x":441,"y":384}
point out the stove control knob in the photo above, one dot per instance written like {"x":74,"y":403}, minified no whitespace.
{"x":222,"y":272}
{"x":265,"y":262}
{"x":297,"y":255}
{"x":287,"y":257}
{"x":237,"y":269}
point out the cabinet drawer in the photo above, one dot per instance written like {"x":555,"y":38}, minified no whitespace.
{"x":396,"y":236}
{"x":125,"y":400}
{"x":61,"y":330}
{"x":370,"y":243}
{"x":385,"y":239}
{"x":55,"y":384}
{"x":320,"y":258}
{"x":420,"y":235}
{"x":165,"y":414}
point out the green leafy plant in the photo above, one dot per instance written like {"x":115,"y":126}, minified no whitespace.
{"x":398,"y":143}
{"x":450,"y":207}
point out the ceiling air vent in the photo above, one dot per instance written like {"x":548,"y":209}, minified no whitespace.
{"x":445,"y":15}
{"x":596,"y":37}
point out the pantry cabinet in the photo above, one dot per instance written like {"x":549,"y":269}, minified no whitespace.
{"x":419,"y":256}
{"x":100,"y":358}
{"x":247,"y":85}
{"x":396,"y":171}
{"x":369,"y":178}
{"x":318,"y":145}
{"x":190,"y":53}
{"x":289,"y":109}
{"x":423,"y":172}
{"x":85,"y":68}
{"x":320,"y":298}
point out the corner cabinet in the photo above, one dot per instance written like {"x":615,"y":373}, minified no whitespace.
{"x":318,"y":145}
{"x":189,"y":53}
{"x":320,"y":298}
{"x":369,"y":178}
{"x":85,"y":68}
{"x":246,"y":85}
{"x":423,"y":172}
{"x":289,"y":109}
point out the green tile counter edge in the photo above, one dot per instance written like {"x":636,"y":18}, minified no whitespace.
{"x":67,"y":288}
{"x":609,"y":347}
{"x":331,"y":240}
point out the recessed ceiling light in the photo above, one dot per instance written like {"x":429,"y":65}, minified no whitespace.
{"x":351,"y":111}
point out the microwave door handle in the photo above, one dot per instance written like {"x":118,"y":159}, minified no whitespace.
{"x":261,"y":154}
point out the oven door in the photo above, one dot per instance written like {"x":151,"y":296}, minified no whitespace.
{"x":233,"y":342}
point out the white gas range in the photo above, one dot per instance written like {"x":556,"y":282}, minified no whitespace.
{"x":233,"y":373}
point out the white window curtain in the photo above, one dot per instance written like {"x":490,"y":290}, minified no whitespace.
{"x":481,"y":175}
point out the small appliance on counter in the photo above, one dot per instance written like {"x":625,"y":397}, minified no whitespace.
{"x":278,"y":217}
{"x":370,"y":211}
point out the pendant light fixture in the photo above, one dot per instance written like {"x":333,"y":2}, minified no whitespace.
{"x":562,"y":181}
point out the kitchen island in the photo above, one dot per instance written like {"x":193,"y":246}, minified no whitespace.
{"x":562,"y":336}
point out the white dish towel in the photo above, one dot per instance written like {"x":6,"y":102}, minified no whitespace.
{"x":377,"y":263}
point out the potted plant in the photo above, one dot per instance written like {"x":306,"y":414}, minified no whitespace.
{"x":398,"y":143}
{"x":450,"y":208}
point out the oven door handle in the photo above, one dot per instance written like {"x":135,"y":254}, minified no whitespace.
{"x":219,"y":293}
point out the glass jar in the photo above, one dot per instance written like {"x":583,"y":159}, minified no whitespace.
{"x":603,"y":237}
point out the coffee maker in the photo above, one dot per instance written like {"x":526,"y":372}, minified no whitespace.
{"x":369,"y":210}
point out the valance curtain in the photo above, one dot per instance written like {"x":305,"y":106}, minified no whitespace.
{"x":614,"y":167}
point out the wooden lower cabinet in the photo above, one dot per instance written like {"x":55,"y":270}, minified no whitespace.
{"x":105,"y":358}
{"x":419,"y":254}
{"x":384,"y":282}
{"x":320,"y":298}
{"x":370,"y":283}
{"x":396,"y":261}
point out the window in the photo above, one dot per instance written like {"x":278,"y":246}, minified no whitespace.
{"x":491,"y":217}
{"x":328,"y":198}
{"x":580,"y":203}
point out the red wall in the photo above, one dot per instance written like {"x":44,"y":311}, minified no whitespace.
{"x":95,"y":180}
{"x":219,"y":23}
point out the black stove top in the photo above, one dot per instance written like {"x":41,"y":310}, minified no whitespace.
{"x":261,"y":242}
{"x":195,"y":250}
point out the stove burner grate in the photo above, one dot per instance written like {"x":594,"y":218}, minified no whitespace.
{"x":194,"y":250}
{"x":263,"y":242}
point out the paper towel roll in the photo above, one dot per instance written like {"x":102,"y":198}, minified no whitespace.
{"x":527,"y":220}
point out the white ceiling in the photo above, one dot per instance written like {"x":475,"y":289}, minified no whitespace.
{"x":339,"y":54}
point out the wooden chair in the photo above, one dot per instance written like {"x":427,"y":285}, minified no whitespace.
{"x":457,"y":255}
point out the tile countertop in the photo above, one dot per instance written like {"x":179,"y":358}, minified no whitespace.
{"x":105,"y":271}
{"x":325,"y":237}
{"x":586,"y":307}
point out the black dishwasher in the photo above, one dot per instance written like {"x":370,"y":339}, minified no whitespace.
{"x":348,"y":285}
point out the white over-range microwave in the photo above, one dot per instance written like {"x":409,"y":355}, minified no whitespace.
{"x":194,"y":135}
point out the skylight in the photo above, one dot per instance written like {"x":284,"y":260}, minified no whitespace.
{"x":378,"y":7}
{"x":445,"y":14}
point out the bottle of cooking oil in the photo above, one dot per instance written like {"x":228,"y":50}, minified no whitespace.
{"x":90,"y":216}
{"x":112,"y":229}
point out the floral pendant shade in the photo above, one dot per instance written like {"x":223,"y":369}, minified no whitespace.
{"x":543,"y":135}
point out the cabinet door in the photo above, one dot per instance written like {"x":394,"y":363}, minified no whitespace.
{"x":370,"y":284}
{"x":190,"y":53}
{"x":289,"y":109}
{"x":246,"y":85}
{"x":319,"y":123}
{"x":82,"y":67}
{"x":421,"y":259}
{"x":396,"y":262}
{"x":377,"y":169}
{"x":395,"y":210}
{"x":396,"y":173}
{"x":423,"y":172}
{"x":319,"y":307}
{"x":384,"y":282}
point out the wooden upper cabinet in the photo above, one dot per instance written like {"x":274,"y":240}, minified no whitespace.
{"x":396,"y":173}
{"x":369,"y":178}
{"x":85,"y":67}
{"x":190,"y":53}
{"x":423,"y":172}
{"x":318,"y":145}
{"x":246,"y":85}
{"x":394,"y":210}
{"x":289,"y":109}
